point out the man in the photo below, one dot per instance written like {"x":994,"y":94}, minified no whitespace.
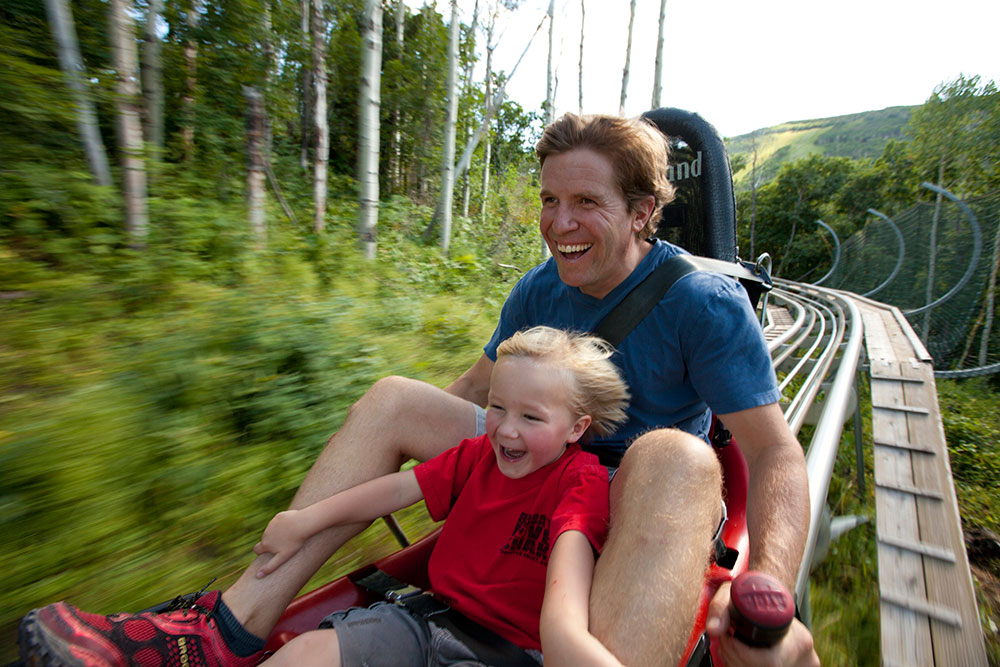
{"x":603,"y":183}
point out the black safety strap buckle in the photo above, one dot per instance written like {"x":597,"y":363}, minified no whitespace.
{"x":725,"y":556}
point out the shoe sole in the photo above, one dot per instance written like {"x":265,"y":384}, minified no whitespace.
{"x":36,"y":651}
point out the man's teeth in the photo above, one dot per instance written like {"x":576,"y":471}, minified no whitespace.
{"x":579,"y":247}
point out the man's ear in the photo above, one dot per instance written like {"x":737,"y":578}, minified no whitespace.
{"x":579,"y":428}
{"x":643,"y":212}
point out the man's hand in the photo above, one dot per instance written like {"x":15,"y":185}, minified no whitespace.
{"x":796,"y":648}
{"x":283,"y":537}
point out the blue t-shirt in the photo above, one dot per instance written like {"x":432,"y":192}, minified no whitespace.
{"x":700,"y":349}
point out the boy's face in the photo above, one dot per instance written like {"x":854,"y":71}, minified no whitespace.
{"x":528,"y":419}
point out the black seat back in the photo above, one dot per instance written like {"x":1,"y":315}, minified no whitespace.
{"x":702,"y":218}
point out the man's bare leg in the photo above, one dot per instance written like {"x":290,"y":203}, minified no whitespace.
{"x":665,"y":507}
{"x":395,"y":420}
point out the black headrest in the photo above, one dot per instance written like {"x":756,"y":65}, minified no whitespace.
{"x":702,"y":219}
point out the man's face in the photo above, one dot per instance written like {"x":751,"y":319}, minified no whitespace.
{"x":586,"y":223}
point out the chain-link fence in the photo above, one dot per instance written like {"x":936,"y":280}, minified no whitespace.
{"x":937,"y":262}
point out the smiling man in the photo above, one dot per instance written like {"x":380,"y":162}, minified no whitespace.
{"x":699,"y":351}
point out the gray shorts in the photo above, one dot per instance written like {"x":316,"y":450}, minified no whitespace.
{"x":480,"y":420}
{"x":387,"y":634}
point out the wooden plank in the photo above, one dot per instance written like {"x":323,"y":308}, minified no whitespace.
{"x":904,"y":487}
{"x":906,"y":636}
{"x":928,"y":609}
{"x":935,"y":612}
{"x":896,"y":378}
{"x":915,"y":409}
{"x":911,"y":446}
{"x":923,"y":548}
{"x":948,"y":584}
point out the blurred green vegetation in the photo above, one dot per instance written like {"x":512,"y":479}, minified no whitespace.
{"x":158,"y":406}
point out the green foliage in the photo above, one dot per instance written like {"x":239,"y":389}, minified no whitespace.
{"x":972,"y":426}
{"x":956,"y":136}
{"x":143,"y":440}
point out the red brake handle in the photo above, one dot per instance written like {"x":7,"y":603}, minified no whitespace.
{"x":760,"y":609}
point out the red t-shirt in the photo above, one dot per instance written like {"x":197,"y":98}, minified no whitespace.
{"x":490,"y":559}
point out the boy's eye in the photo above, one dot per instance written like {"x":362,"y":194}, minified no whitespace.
{"x":494,"y":406}
{"x":532,"y":418}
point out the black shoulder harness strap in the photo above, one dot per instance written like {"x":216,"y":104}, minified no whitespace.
{"x":617,"y":324}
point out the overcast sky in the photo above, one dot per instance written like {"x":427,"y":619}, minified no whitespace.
{"x":745,"y":64}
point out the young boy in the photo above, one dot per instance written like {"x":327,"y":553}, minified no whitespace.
{"x":526,"y":511}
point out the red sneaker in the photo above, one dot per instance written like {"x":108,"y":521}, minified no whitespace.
{"x":61,"y":635}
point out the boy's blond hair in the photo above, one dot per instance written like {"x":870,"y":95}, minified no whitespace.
{"x":594,"y":386}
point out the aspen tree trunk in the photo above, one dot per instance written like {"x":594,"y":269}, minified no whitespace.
{"x":550,"y":96}
{"x":658,"y":72}
{"x":71,"y":64}
{"x":984,"y":342}
{"x":321,"y":129}
{"x":443,"y":211}
{"x":932,"y":262}
{"x":467,"y":84}
{"x":579,"y":82}
{"x":369,"y":102}
{"x":190,"y":78}
{"x":129,"y":125}
{"x":307,"y":92}
{"x":268,"y":50}
{"x":396,"y":150}
{"x":488,"y":148}
{"x":628,"y":59}
{"x":256,"y":169}
{"x":152,"y":79}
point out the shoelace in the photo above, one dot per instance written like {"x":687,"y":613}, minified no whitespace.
{"x":185,"y":603}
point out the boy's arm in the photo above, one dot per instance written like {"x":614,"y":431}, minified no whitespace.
{"x":564,"y":626}
{"x":288,"y":531}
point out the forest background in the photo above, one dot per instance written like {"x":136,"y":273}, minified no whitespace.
{"x":175,"y":355}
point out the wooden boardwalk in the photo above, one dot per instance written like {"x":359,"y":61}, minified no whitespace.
{"x":928,"y":607}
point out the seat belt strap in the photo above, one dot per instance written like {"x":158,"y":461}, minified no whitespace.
{"x":624,"y":317}
{"x":488,"y":646}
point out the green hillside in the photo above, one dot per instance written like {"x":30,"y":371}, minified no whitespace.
{"x":857,"y":135}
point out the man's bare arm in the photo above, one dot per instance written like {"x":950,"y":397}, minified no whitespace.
{"x":778,"y":496}
{"x":474,"y":384}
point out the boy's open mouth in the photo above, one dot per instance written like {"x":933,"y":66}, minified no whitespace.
{"x":512,"y":454}
{"x":572,"y":251}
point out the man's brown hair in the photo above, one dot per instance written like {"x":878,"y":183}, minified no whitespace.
{"x":638,"y":151}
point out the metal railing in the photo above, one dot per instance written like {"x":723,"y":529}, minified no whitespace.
{"x":816,"y":358}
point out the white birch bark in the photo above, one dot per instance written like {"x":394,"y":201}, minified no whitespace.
{"x":488,"y":148}
{"x":129,"y":124}
{"x":152,"y":78}
{"x":307,"y":100}
{"x":579,"y":82}
{"x":320,"y":127}
{"x":550,"y":96}
{"x":628,"y":59}
{"x":369,"y":102}
{"x":658,"y":70}
{"x":466,"y":85}
{"x":396,"y":151}
{"x":71,"y":63}
{"x":443,"y":211}
{"x":256,"y":172}
{"x":190,"y":79}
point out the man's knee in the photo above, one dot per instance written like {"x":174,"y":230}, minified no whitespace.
{"x":667,"y":454}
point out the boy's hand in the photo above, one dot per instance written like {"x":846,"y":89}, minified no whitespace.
{"x":283,"y":537}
